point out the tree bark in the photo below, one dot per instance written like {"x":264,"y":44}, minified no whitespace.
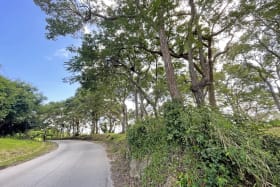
{"x":136,"y":104}
{"x":198,"y":85}
{"x":211,"y":90}
{"x":169,"y":69}
{"x":111,"y":125}
{"x":124,"y":117}
{"x":93,"y":126}
{"x":143,"y":111}
{"x":77,"y":121}
{"x":96,"y":125}
{"x":273,"y":94}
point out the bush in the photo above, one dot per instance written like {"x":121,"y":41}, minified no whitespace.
{"x":272,"y":145}
{"x":225,"y":154}
{"x":174,"y":123}
{"x":146,"y":137}
{"x":148,"y":143}
{"x":38,"y":134}
{"x":202,"y":147}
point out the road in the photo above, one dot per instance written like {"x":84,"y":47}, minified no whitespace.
{"x":73,"y":164}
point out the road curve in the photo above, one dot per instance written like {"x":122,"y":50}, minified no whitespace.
{"x":73,"y":164}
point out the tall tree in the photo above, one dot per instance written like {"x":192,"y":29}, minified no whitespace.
{"x":258,"y":49}
{"x":195,"y":32}
{"x":19,"y":105}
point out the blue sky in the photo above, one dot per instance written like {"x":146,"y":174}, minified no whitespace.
{"x":26,"y":54}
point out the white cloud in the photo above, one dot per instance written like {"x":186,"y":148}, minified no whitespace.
{"x":62,"y":53}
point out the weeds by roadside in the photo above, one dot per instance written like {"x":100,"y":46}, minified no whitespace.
{"x":14,"y":151}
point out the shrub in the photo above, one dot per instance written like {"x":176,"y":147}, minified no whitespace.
{"x":272,"y":145}
{"x":174,"y":123}
{"x":226,"y":154}
{"x":202,"y":147}
{"x":146,"y":137}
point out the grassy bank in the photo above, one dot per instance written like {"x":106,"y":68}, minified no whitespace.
{"x":13,"y":151}
{"x":198,"y":147}
{"x":275,"y":131}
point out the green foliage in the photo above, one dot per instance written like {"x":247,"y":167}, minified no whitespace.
{"x":272,"y":144}
{"x":19,"y":104}
{"x":120,"y":58}
{"x":14,"y":151}
{"x":109,"y":138}
{"x":156,"y":172}
{"x":38,"y":134}
{"x":226,"y":153}
{"x":147,"y":142}
{"x":64,"y":22}
{"x":201,"y":147}
{"x":174,"y":123}
{"x":275,"y":123}
{"x":146,"y":137}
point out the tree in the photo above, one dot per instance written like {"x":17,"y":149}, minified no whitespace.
{"x":258,"y":49}
{"x":60,"y":19}
{"x":19,"y":105}
{"x":242,"y":93}
{"x":133,"y":38}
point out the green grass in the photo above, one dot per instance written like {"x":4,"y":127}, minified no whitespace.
{"x":275,"y":131}
{"x":109,"y":137}
{"x":13,"y":151}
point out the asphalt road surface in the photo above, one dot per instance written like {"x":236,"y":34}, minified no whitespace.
{"x":73,"y":164}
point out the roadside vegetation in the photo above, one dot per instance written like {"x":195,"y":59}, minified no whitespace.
{"x":193,"y":86}
{"x":15,"y":151}
{"x":20,"y":104}
{"x":200,"y":147}
{"x":273,"y":130}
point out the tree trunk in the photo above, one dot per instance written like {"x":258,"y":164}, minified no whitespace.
{"x":73,"y":128}
{"x":197,"y":85}
{"x":111,"y":125}
{"x":143,"y":111}
{"x":96,"y":125}
{"x":136,"y":104}
{"x":273,"y":94}
{"x":169,"y":69}
{"x":77,"y":127}
{"x":211,"y":91}
{"x":92,"y":126}
{"x":144,"y":94}
{"x":124,"y":117}
{"x":211,"y":88}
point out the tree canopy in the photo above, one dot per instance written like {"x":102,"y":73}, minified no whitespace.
{"x":179,"y":50}
{"x":19,"y":106}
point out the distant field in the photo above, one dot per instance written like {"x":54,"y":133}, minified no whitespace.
{"x":14,"y":151}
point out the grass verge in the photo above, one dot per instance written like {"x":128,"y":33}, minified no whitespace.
{"x":275,"y":131}
{"x":13,"y":151}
